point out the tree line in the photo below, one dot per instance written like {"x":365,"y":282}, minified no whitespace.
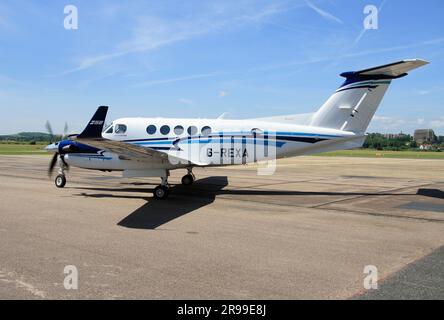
{"x":380,"y":141}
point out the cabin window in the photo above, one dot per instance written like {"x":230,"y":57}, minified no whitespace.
{"x":164,"y":130}
{"x":151,"y":129}
{"x":192,"y":130}
{"x":120,"y":129}
{"x":178,"y":130}
{"x":206,"y":131}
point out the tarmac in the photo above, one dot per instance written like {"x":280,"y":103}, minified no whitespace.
{"x":306,"y":232}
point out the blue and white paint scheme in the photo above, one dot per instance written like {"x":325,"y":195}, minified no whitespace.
{"x":146,"y":147}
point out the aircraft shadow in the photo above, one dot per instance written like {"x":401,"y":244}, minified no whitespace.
{"x":158,"y":212}
{"x":184,"y":200}
{"x":433,"y":193}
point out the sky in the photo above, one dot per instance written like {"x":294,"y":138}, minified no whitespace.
{"x":248,"y":58}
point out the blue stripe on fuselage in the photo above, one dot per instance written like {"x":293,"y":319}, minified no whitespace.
{"x":164,"y":140}
{"x":95,"y":156}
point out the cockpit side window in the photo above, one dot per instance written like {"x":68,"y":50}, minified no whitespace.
{"x":110,"y":129}
{"x":120,"y":129}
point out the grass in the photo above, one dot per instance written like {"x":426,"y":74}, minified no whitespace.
{"x":370,"y":153}
{"x":22,"y":149}
{"x":38,"y":149}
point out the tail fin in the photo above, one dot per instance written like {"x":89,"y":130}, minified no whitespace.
{"x":353,"y":105}
{"x":95,"y":125}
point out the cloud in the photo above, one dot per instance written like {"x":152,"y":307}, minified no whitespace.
{"x":424,"y":92}
{"x":8,"y":82}
{"x":389,"y":122}
{"x":291,"y":63}
{"x":431,"y":90}
{"x":364,"y":30}
{"x":222,"y":93}
{"x":88,"y":82}
{"x":186,"y":101}
{"x":4,"y":22}
{"x":312,"y":60}
{"x":5,"y":17}
{"x":151,"y":33}
{"x":437,"y":123}
{"x":386,"y":124}
{"x":177,"y":79}
{"x":420,"y":121}
{"x":323,"y":13}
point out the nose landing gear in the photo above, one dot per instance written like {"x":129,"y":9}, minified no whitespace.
{"x":60,"y":180}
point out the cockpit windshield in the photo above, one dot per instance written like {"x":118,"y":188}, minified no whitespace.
{"x":109,"y":129}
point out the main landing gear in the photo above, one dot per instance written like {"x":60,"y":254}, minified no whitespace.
{"x":189,"y":178}
{"x":162,"y":191}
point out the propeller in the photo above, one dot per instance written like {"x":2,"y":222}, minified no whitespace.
{"x":48,"y":127}
{"x":55,"y":148}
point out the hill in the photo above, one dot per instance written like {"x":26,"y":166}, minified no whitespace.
{"x":28,"y":137}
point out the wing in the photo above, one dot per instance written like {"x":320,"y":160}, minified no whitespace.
{"x":124,"y":149}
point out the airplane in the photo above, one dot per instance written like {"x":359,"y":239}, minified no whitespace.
{"x":152,"y":147}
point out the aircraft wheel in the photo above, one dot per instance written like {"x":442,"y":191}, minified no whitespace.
{"x":161,"y":192}
{"x":60,"y":181}
{"x":187,"y":180}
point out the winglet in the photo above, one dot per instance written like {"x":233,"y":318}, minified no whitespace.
{"x":95,"y":125}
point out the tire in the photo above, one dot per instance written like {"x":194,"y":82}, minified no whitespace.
{"x":60,"y":181}
{"x":187,"y":180}
{"x":160,"y":192}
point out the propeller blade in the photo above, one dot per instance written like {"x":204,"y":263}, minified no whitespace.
{"x":65,"y":131}
{"x":49,"y":129}
{"x":52,"y":163}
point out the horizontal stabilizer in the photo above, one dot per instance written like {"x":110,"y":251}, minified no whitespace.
{"x":389,"y":71}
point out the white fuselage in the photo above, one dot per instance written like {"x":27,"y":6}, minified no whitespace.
{"x":212,"y":142}
{"x":152,"y":146}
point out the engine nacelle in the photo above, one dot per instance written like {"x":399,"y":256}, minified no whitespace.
{"x":107,"y":161}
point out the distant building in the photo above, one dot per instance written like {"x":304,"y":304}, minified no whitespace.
{"x":424,"y":136}
{"x":426,"y":147}
{"x":394,"y":135}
